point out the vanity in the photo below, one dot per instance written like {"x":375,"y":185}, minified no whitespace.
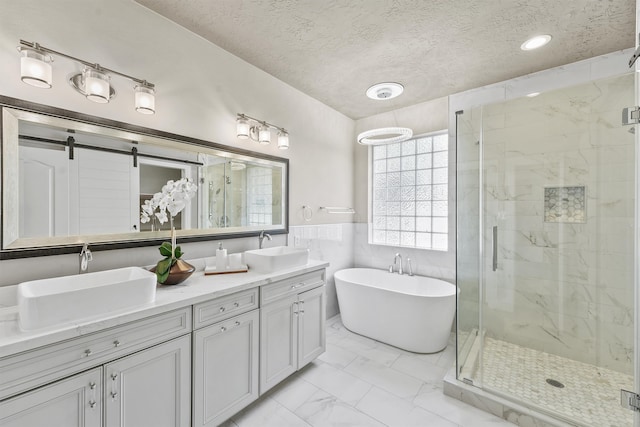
{"x":195,"y":356}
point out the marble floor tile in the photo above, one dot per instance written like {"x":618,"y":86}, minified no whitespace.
{"x":337,"y":356}
{"x":396,"y":382}
{"x":341,"y":384}
{"x":325,"y":410}
{"x":293,"y":392}
{"x":419,"y":368}
{"x":266,"y":412}
{"x":397,"y":412}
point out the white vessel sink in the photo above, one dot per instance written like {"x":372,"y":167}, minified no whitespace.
{"x":277,"y":258}
{"x":49,"y":302}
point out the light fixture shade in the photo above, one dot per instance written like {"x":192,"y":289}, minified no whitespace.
{"x":283,"y":140}
{"x":35,"y":68}
{"x":96,"y":85}
{"x":242,"y":128}
{"x":384,"y":136}
{"x":145,"y":99}
{"x":264,"y":134}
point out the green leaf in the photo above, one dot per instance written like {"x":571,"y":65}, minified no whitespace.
{"x":163,"y":265}
{"x":178,"y":253}
{"x":165,"y":249}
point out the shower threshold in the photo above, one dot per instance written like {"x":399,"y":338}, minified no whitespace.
{"x":514,"y":385}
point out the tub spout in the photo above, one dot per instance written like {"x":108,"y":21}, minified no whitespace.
{"x":395,"y":262}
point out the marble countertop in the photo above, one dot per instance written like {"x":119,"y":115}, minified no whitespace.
{"x":198,"y":288}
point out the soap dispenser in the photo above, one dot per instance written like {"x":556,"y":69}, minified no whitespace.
{"x":221,"y":258}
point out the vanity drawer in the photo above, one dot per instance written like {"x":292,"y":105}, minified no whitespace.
{"x":222,"y":308}
{"x":33,"y":368}
{"x":291,"y":286}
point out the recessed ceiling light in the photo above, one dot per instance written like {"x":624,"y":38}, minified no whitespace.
{"x":536,"y":42}
{"x":533,"y":94}
{"x":383,"y":91}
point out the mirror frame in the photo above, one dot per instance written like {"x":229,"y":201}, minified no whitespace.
{"x":166,"y":138}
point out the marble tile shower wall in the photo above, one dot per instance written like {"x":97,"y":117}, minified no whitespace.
{"x":328,"y":242}
{"x":562,"y":287}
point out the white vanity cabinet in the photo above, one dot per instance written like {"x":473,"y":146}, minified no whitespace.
{"x":292,"y":326}
{"x":137,"y":374}
{"x":225,"y":357}
{"x":150,"y":388}
{"x":73,"y":402}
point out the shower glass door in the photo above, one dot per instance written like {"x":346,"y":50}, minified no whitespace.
{"x":554,"y":279}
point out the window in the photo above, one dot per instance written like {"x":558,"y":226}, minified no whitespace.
{"x":410,"y":193}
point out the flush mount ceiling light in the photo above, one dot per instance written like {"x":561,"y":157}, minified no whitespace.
{"x":384,"y":136}
{"x":94,"y":82}
{"x":536,"y":42}
{"x":384,"y":91}
{"x":248,"y":127}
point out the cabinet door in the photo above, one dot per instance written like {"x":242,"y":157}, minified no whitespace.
{"x":72,"y":402}
{"x":311,"y":325}
{"x":278,"y":341}
{"x":150,"y":388}
{"x":225,"y":378}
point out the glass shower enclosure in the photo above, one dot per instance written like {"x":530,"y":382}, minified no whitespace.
{"x":546,"y":194}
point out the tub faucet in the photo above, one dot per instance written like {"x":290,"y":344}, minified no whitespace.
{"x":85,"y":257}
{"x":395,"y":262}
{"x":261,"y":238}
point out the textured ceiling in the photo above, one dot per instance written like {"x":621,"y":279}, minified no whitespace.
{"x":333,"y":50}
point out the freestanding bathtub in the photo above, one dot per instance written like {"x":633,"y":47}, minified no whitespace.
{"x":414,"y":313}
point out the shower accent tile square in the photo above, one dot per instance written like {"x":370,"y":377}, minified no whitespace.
{"x":564,"y":204}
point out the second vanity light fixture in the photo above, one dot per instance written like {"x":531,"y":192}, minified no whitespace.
{"x":94,"y":82}
{"x":260,"y":131}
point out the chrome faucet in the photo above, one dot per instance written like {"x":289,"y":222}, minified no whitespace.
{"x":85,"y":257}
{"x":261,"y":238}
{"x":395,"y":262}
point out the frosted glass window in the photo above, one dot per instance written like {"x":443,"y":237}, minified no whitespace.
{"x":410,"y":193}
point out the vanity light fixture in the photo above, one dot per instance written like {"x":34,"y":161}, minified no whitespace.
{"x":536,"y":42}
{"x":94,"y":82}
{"x":248,"y":127}
{"x":35,"y":66}
{"x":382,"y":136}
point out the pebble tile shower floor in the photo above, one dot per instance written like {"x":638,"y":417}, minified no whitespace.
{"x":361,"y":382}
{"x":591,"y":395}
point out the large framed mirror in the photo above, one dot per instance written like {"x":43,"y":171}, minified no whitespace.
{"x":69,"y":179}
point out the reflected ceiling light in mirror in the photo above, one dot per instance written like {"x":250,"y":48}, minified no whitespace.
{"x":94,"y":82}
{"x":533,"y":94}
{"x":384,"y":91}
{"x":35,"y":67}
{"x":382,"y":136}
{"x":536,"y":42}
{"x":257,"y":130}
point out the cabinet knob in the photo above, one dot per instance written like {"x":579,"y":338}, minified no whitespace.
{"x":92,"y":386}
{"x":222,"y":309}
{"x":222,"y":329}
{"x":114,"y":376}
{"x":235,"y":304}
{"x":116,"y":343}
{"x":237,"y":323}
{"x":92,"y":403}
{"x":87,"y":352}
{"x":114,"y":394}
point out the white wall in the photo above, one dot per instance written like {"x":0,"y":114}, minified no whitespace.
{"x":422,"y":118}
{"x":200,"y":88}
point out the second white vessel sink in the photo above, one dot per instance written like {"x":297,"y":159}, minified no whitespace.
{"x":277,"y":258}
{"x":59,"y":300}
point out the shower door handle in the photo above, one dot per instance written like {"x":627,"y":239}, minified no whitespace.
{"x":494,"y":264}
